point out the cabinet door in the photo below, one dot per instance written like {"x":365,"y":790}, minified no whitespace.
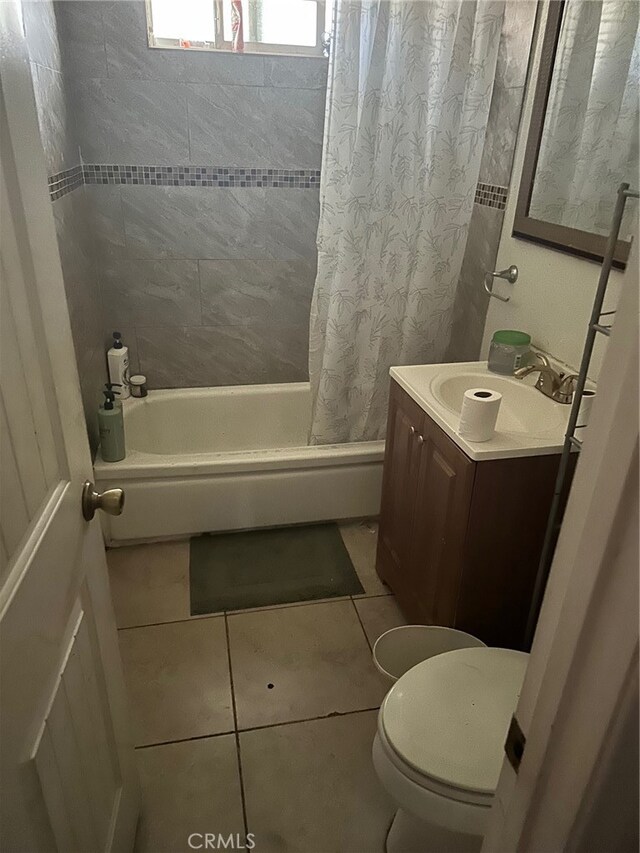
{"x":443,"y":499}
{"x":400,"y":478}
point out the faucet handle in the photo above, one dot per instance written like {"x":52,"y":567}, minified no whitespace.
{"x":567,"y":388}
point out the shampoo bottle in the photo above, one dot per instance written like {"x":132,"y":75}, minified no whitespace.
{"x":118,"y":363}
{"x":111,"y":426}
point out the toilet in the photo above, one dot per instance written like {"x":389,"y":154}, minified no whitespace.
{"x":439,"y":747}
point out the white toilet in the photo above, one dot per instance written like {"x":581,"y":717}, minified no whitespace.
{"x":440,"y":744}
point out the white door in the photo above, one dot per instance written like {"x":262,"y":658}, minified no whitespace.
{"x":67,"y":765}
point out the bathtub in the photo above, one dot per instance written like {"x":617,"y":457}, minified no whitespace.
{"x":213,"y":459}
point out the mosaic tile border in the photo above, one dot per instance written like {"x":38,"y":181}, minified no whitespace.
{"x":63,"y":183}
{"x":201,"y":176}
{"x":491,"y":195}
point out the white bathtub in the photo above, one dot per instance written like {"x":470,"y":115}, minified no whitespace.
{"x":209,"y":459}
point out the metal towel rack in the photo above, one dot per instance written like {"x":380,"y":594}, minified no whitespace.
{"x":510,"y":275}
{"x":597,"y":325}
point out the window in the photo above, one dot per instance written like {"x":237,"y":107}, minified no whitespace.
{"x":267,"y":26}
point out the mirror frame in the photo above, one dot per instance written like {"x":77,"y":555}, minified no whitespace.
{"x":571,"y":240}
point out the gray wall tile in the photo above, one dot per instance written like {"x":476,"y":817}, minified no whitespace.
{"x":83,"y":299}
{"x":193,"y":222}
{"x":254,"y":126}
{"x":299,"y":72}
{"x":81,"y":37}
{"x":235,"y":355}
{"x":104,"y":212}
{"x":131,"y":121}
{"x":228,"y":125}
{"x":224,"y":68}
{"x":151,"y":293}
{"x":471,"y":301}
{"x":291,"y":223}
{"x":137,"y":115}
{"x":502,"y":132}
{"x":267,"y":291}
{"x":56,"y":119}
{"x":247,"y":111}
{"x":81,"y":59}
{"x":294,"y":123}
{"x":129,"y":56}
{"x":515,"y":43}
{"x":71,"y":216}
{"x":287,"y":352}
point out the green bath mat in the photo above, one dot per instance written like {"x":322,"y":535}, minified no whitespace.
{"x":232,"y":571}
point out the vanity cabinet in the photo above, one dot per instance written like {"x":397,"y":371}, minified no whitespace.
{"x":459,"y":541}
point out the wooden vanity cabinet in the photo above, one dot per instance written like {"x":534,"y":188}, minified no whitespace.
{"x":459,"y":541}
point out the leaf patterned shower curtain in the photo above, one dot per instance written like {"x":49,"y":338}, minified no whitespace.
{"x":410,"y":84}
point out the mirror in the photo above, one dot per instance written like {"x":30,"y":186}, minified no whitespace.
{"x":583,"y":138}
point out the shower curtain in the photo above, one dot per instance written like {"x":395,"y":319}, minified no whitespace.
{"x":410,"y":84}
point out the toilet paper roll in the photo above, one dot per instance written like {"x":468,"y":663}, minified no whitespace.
{"x":479,"y":414}
{"x":584,"y":412}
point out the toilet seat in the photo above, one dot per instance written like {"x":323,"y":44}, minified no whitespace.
{"x":427,"y":783}
{"x":443,"y":724}
{"x":425,"y":805}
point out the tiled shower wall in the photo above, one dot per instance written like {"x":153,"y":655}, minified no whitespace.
{"x":47,"y":40}
{"x":206,"y":270}
{"x":210,"y":284}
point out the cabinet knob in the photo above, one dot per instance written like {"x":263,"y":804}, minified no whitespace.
{"x":412,"y":430}
{"x":420,"y":439}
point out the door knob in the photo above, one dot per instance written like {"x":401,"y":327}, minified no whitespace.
{"x":110,"y":501}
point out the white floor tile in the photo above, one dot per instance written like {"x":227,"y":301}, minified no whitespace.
{"x":378,"y":615}
{"x":312,"y":787}
{"x":188,"y":787}
{"x":361,"y":539}
{"x":315,"y":657}
{"x":149,"y":583}
{"x":177,"y":676}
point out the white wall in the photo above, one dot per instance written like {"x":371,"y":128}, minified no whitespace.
{"x":553,"y":296}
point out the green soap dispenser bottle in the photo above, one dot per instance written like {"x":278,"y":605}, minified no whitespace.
{"x":115,"y":399}
{"x":111,"y":426}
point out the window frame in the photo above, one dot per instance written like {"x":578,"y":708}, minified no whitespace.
{"x":222,"y":46}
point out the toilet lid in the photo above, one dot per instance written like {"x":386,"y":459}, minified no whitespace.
{"x":448,"y":716}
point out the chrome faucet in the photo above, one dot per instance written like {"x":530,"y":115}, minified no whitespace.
{"x":557,"y":386}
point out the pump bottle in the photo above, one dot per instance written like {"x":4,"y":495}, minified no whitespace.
{"x":111,"y":426}
{"x":118,"y":364}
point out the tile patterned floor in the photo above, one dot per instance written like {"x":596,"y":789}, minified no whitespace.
{"x":259,"y":721}
{"x":301,"y":662}
{"x":178,"y":680}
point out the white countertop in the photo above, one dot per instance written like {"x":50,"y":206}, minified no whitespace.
{"x":529,"y":424}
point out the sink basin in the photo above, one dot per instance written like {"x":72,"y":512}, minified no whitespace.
{"x":529,"y":424}
{"x":523,"y":409}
